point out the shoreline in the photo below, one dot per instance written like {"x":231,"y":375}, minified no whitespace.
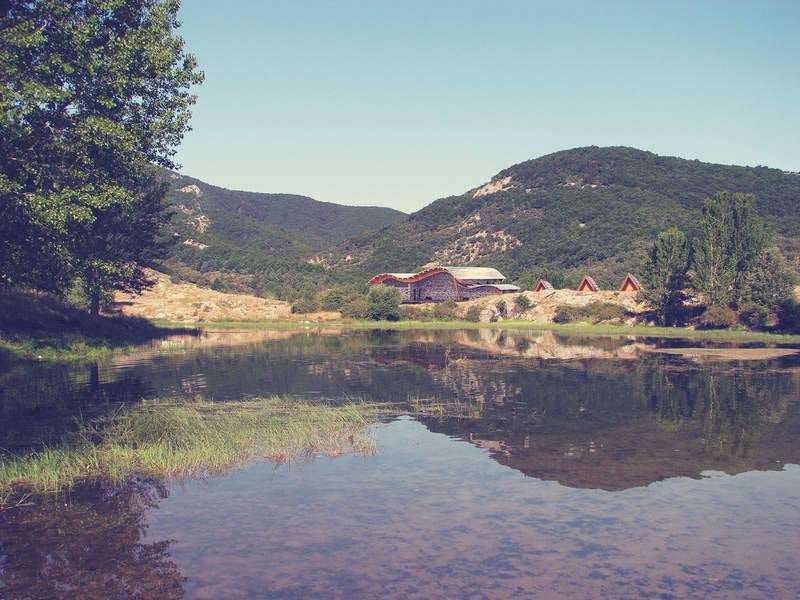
{"x":561,"y":329}
{"x":77,"y":347}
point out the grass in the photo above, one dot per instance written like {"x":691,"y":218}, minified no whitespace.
{"x":583,"y":329}
{"x":180,"y":439}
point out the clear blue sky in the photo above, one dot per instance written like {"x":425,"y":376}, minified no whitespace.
{"x":400,"y":103}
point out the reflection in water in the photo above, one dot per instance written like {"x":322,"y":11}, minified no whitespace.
{"x":615,"y":443}
{"x":87,"y":544}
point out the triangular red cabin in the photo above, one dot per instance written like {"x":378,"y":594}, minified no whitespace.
{"x":630,"y":284}
{"x":543,"y":285}
{"x":588,"y":285}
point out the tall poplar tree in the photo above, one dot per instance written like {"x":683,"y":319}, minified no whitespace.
{"x":94,"y":98}
{"x":732,"y":238}
{"x":713,"y":262}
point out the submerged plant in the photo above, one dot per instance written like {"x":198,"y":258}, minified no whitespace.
{"x":178,"y":438}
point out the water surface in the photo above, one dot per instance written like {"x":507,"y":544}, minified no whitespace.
{"x":527,"y":465}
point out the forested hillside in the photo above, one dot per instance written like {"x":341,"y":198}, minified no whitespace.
{"x":245,"y":241}
{"x":588,"y":210}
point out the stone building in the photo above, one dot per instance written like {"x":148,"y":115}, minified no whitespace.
{"x":440,"y":284}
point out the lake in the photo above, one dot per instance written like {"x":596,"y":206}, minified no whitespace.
{"x":514,"y":464}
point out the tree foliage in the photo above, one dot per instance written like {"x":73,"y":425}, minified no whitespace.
{"x":384,"y":303}
{"x":665,"y":275}
{"x":714,"y":263}
{"x":94,"y":96}
{"x":769,"y":281}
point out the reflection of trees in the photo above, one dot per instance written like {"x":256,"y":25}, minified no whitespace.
{"x":87,"y":545}
{"x":735,"y":410}
{"x":617,"y":424}
{"x":39,"y":403}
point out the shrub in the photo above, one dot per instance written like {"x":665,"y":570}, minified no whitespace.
{"x":594,"y":312}
{"x":717,"y":317}
{"x":356,"y":308}
{"x":522,"y":302}
{"x":445,"y":310}
{"x":307,"y":304}
{"x":473,"y":314}
{"x":384,"y":303}
{"x":502,"y":308}
{"x":334,"y":299}
{"x":755,"y":315}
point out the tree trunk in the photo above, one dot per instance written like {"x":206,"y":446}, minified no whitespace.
{"x":94,"y":309}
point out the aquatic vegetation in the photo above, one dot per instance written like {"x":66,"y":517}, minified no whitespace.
{"x":178,"y":438}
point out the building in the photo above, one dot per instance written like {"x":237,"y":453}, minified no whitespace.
{"x":588,"y":285}
{"x":543,"y":286}
{"x":630,"y":284}
{"x":440,"y":284}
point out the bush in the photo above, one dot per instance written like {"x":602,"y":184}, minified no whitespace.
{"x":445,"y":310}
{"x":334,"y":299}
{"x":522,"y":302}
{"x":308,"y":304}
{"x":594,"y":312}
{"x":473,"y":314}
{"x":356,"y":308}
{"x":717,"y":317}
{"x":502,"y":308}
{"x":384,"y":303}
{"x":755,"y":315}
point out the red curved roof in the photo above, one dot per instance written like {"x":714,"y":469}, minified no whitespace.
{"x":383,"y":277}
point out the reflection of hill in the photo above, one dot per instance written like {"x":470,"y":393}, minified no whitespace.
{"x":658,"y":427}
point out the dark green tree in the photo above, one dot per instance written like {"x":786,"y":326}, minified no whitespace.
{"x":94,"y":97}
{"x":748,"y":240}
{"x":769,"y":281}
{"x":665,"y":275}
{"x":714,"y":264}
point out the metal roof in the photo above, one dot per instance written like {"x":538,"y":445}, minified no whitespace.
{"x":506,"y":287}
{"x":475,"y":273}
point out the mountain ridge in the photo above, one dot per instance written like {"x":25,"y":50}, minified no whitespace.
{"x":590,"y":209}
{"x":253,"y":241}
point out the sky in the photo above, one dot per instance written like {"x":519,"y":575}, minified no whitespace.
{"x":387,"y":103}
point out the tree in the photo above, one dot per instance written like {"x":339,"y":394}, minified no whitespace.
{"x":769,"y":280}
{"x":94,"y":97}
{"x":714,"y":265}
{"x":665,"y":275}
{"x":748,"y":240}
{"x":384,"y":303}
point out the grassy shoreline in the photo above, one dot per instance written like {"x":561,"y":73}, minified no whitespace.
{"x":170,"y":438}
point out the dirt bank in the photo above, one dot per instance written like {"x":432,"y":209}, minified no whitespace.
{"x":187,"y":302}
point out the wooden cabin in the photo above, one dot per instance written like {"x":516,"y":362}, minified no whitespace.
{"x":630,"y":284}
{"x":543,"y":285}
{"x":588,"y":285}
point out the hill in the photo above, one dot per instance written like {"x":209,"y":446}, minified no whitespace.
{"x":587,"y":210}
{"x":246,"y":241}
